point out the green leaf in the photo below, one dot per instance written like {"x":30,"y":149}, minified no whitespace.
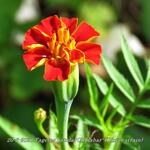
{"x":81,"y":133}
{"x":112,"y":114}
{"x":80,"y":129}
{"x":92,"y":88}
{"x":105,"y":102}
{"x":147,"y":82}
{"x":16,"y":132}
{"x":113,"y":101}
{"x":144,"y":104}
{"x":141,"y":120}
{"x":53,"y":126}
{"x":118,"y":79}
{"x":88,"y":120}
{"x":131,"y":63}
{"x":53,"y":131}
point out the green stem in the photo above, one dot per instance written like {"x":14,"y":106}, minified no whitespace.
{"x":113,"y":145}
{"x":63,"y":109}
{"x":43,"y":132}
{"x":133,"y":108}
{"x":101,"y":119}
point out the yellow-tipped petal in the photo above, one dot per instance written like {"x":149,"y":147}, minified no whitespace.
{"x":40,"y":63}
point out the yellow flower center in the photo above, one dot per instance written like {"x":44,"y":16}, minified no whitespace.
{"x":61,"y":43}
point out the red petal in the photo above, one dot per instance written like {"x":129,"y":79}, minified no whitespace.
{"x":84,"y":32}
{"x":32,"y":57}
{"x":92,"y":51}
{"x":71,"y":23}
{"x":33,"y":36}
{"x":49,"y":24}
{"x":77,"y":56}
{"x":56,"y":70}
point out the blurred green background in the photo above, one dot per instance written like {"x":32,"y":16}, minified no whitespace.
{"x":21,"y":92}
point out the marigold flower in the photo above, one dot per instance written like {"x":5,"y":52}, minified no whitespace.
{"x":59,"y":44}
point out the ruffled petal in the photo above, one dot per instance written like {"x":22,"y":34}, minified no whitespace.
{"x":56,"y":70}
{"x":84,"y":32}
{"x":71,"y":23}
{"x":49,"y":25}
{"x":33,"y":36}
{"x":35,"y":57}
{"x":77,"y":56}
{"x":92,"y":52}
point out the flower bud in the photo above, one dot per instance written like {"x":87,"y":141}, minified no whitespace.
{"x":67,"y":90}
{"x":40,"y":116}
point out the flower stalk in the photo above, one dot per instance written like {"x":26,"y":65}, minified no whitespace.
{"x":64,"y":93}
{"x":63,"y":109}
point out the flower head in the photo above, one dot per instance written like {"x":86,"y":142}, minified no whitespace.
{"x":59,"y":44}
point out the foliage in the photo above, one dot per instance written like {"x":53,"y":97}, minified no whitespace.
{"x":19,"y":135}
{"x":108,"y":126}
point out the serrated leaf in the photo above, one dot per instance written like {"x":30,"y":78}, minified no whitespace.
{"x":88,"y":120}
{"x":131,"y":63}
{"x":141,"y":120}
{"x":91,"y":88}
{"x":113,"y":101}
{"x":144,"y":104}
{"x":118,"y":79}
{"x":15,"y":132}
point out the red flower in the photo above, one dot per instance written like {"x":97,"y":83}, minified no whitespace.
{"x":59,"y":44}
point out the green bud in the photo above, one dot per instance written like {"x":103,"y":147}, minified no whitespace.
{"x":67,"y":90}
{"x":40,"y":116}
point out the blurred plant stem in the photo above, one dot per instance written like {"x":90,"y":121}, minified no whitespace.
{"x":63,"y":109}
{"x":109,"y":144}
